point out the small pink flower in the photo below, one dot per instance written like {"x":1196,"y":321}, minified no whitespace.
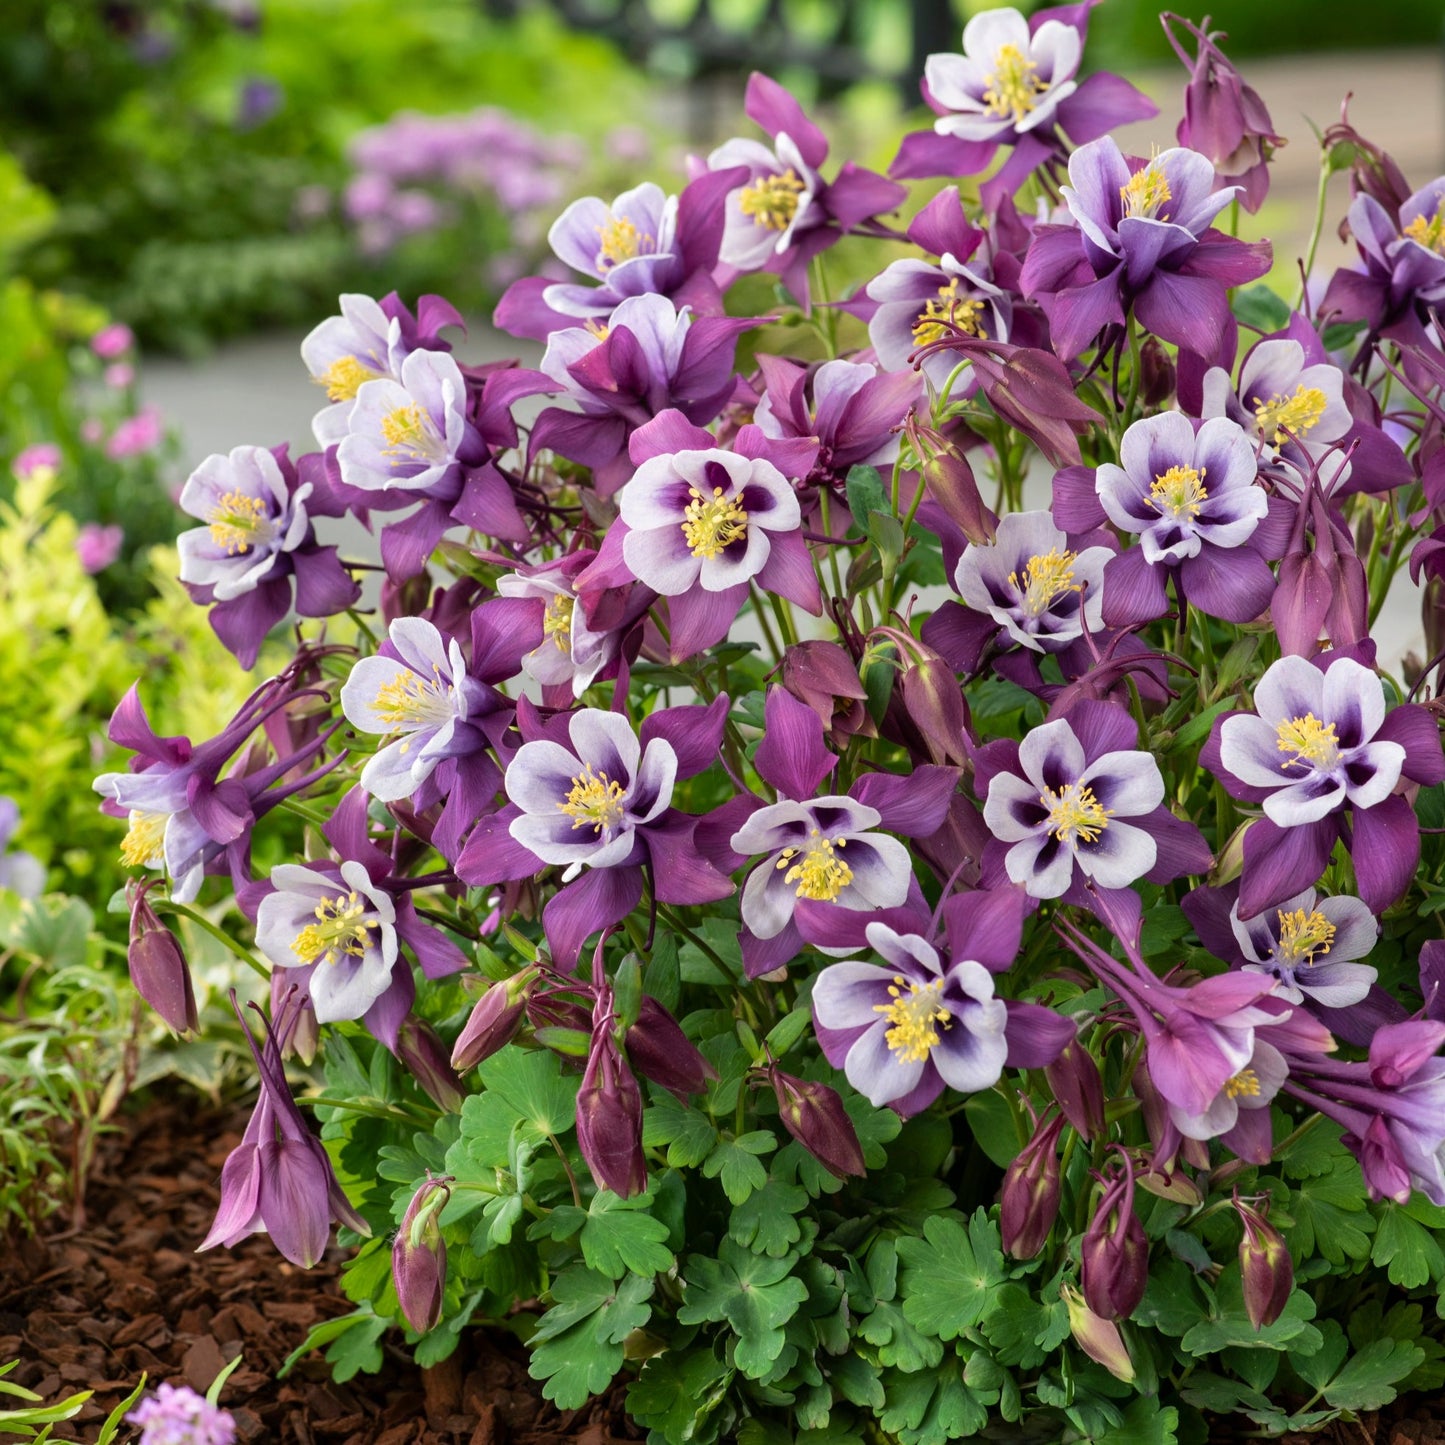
{"x":119,"y":375}
{"x":97,"y":546}
{"x":92,"y":430}
{"x":136,"y":435}
{"x":43,"y":456}
{"x":112,"y":341}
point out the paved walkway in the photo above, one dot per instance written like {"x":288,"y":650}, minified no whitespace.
{"x":258,"y":391}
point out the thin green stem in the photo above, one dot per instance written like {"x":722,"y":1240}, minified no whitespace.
{"x":1316,"y":230}
{"x":167,"y":905}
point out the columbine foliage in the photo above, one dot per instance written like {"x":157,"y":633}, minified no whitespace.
{"x":1019,"y":1000}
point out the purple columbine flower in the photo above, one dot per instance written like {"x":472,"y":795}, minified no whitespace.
{"x":258,"y":536}
{"x":1309,"y":945}
{"x":1318,"y":743}
{"x":1040,"y":591}
{"x":22,"y":873}
{"x":911,"y":1027}
{"x":1192,"y":500}
{"x":1239,"y":1113}
{"x":1141,"y":240}
{"x":176,"y":1415}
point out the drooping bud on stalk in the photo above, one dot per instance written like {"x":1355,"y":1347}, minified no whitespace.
{"x":934,"y":702}
{"x":609,"y":1110}
{"x":1099,"y":1339}
{"x":419,"y":1048}
{"x":1029,"y":1200}
{"x":950,"y":481}
{"x":494,"y":1021}
{"x":158,"y":968}
{"x":1078,"y":1089}
{"x":814,"y":1115}
{"x":824,"y":676}
{"x":1114,"y":1257}
{"x":1266,"y":1266}
{"x":659,"y":1050}
{"x":419,"y":1256}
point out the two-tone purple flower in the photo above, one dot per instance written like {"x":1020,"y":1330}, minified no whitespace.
{"x":1310,"y":946}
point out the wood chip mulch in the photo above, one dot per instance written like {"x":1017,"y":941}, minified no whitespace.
{"x":126,"y":1294}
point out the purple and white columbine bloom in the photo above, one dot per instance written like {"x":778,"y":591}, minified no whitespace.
{"x":1062,"y":816}
{"x":338,"y":924}
{"x":630,"y":246}
{"x":1232,"y":1111}
{"x":1286,"y":942}
{"x":1041,"y":593}
{"x":581,"y":805}
{"x":344,"y":352}
{"x":570,"y":654}
{"x":910,"y":1024}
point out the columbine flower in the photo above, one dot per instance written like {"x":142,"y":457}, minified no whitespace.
{"x":1060,"y":814}
{"x":1239,"y":1113}
{"x":1043,"y":594}
{"x":1141,"y":240}
{"x":904,"y":1031}
{"x":97,"y":547}
{"x":337,"y":923}
{"x":625,"y":245}
{"x":22,"y":873}
{"x":176,"y":1415}
{"x":1309,"y":946}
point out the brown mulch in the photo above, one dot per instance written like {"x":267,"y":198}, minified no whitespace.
{"x":127,"y":1294}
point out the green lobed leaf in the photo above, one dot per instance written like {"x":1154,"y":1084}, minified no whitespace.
{"x":948,"y":1276}
{"x":619,"y":1235}
{"x":1406,"y":1250}
{"x":1368,"y":1380}
{"x":533,"y":1083}
{"x":769,"y":1221}
{"x":735,"y":1163}
{"x":933,"y":1407}
{"x":756,"y":1295}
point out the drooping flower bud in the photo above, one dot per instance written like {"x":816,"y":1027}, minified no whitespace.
{"x":1078,"y":1089}
{"x":1266,"y":1266}
{"x":419,"y":1256}
{"x":424,"y":1054}
{"x":1099,"y":1339}
{"x":609,"y":1110}
{"x":659,"y":1050}
{"x":158,"y":968}
{"x":1029,"y":1200}
{"x":494,"y":1021}
{"x":814,"y":1115}
{"x":934,"y":702}
{"x":824,"y":676}
{"x":1114,"y":1256}
{"x":950,"y":481}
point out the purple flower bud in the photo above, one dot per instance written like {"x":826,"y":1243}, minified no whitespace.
{"x":814,"y":1115}
{"x":419,"y":1048}
{"x":1114,"y":1265}
{"x":609,"y":1111}
{"x":494,"y":1021}
{"x":1078,"y":1089}
{"x":176,"y":1413}
{"x":1099,"y":1339}
{"x":950,"y":481}
{"x":1029,"y":1202}
{"x":419,"y":1256}
{"x":1266,"y":1266}
{"x":824,"y":676}
{"x":158,"y":968}
{"x":934,"y":703}
{"x":659,"y":1050}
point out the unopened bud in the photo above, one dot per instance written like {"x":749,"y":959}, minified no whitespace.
{"x":1114,"y":1255}
{"x":1099,"y":1339}
{"x":950,"y":482}
{"x":1029,"y":1200}
{"x":158,"y":968}
{"x":934,"y":703}
{"x":1078,"y":1090}
{"x":659,"y":1050}
{"x":609,"y":1111}
{"x":824,"y":676}
{"x":814,"y":1115}
{"x":424,"y":1054}
{"x":404,"y":599}
{"x":1157,"y":373}
{"x":494,"y":1021}
{"x":419,"y":1256}
{"x":1265,"y":1265}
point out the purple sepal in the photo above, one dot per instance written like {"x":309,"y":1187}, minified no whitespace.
{"x":600,"y":898}
{"x":987,"y":924}
{"x":792,"y":756}
{"x":915,"y":805}
{"x":1280,"y":862}
{"x":491,"y":855}
{"x":681,"y":874}
{"x":763,"y":955}
{"x":1385,"y":851}
{"x":1036,"y":1035}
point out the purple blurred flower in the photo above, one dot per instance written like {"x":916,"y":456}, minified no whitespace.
{"x":97,"y":546}
{"x":118,"y":375}
{"x":176,"y":1415}
{"x":260,"y":98}
{"x":22,"y":873}
{"x":112,"y":341}
{"x":42,"y":457}
{"x":136,"y":435}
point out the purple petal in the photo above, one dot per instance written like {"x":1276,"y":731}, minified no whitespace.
{"x":1385,"y":851}
{"x":598,"y":899}
{"x":1280,"y":862}
{"x":792,"y":756}
{"x":1036,"y":1035}
{"x":914,"y":805}
{"x":986,"y":925}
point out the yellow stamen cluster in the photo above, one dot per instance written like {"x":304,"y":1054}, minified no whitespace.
{"x":557,"y":622}
{"x":1281,"y":417}
{"x":1046,"y":578}
{"x":1179,"y":492}
{"x":1310,"y":740}
{"x":820,"y":873}
{"x":1146,"y":192}
{"x":948,"y":312}
{"x":340,"y":931}
{"x":235,"y":520}
{"x":595,"y":802}
{"x":1429,"y":231}
{"x":144,"y":843}
{"x":1074,"y":812}
{"x":912,"y":1018}
{"x":344,"y":378}
{"x":410,"y":700}
{"x":1245,"y":1082}
{"x":1013,"y":87}
{"x":1302,"y":935}
{"x":711,"y":524}
{"x":407,"y":431}
{"x":600,"y":331}
{"x":620,"y":241}
{"x":772,"y":201}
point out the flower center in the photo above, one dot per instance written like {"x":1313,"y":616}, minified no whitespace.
{"x":620,"y":241}
{"x":772,"y":201}
{"x":235,"y":520}
{"x":713,"y":523}
{"x":1045,"y":580}
{"x":1302,"y":935}
{"x":1074,"y":811}
{"x":912,"y":1017}
{"x":1179,"y":493}
{"x":947,"y":312}
{"x":340,"y":931}
{"x":409,"y":432}
{"x":409,"y":701}
{"x":1281,"y":417}
{"x":1146,"y":192}
{"x":344,"y":378}
{"x":1013,"y":88}
{"x":1429,"y":232}
{"x":1310,"y":740}
{"x":144,"y":843}
{"x":557,"y":622}
{"x":595,"y":801}
{"x":820,"y":873}
{"x":1245,"y":1082}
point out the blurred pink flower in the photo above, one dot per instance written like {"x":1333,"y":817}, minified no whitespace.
{"x":92,"y":430}
{"x":112,"y":341}
{"x":119,"y":375}
{"x":135,"y":435}
{"x":97,"y":546}
{"x":43,"y":456}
